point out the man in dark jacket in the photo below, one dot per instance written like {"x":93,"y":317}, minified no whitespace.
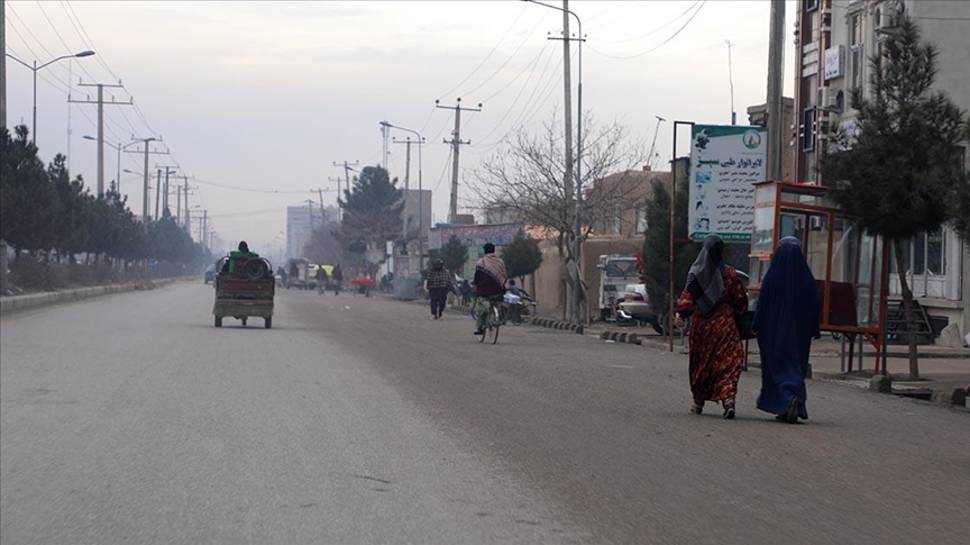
{"x":438,"y":285}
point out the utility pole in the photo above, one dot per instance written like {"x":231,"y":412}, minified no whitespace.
{"x":323,"y":220}
{"x":169,"y":170}
{"x":205,"y":228}
{"x":407,"y":160}
{"x":456,"y":142}
{"x":101,"y":102}
{"x":348,"y":168}
{"x":385,"y":133}
{"x":3,"y":79}
{"x":179,"y":190}
{"x":577,"y":299}
{"x":158,"y":190}
{"x":144,"y":190}
{"x":776,"y":62}
{"x":734,"y":115}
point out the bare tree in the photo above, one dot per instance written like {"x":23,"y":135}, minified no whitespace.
{"x":525,"y":179}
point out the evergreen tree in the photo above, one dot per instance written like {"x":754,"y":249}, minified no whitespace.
{"x":372,"y":208}
{"x":522,"y":256}
{"x":454,"y":254}
{"x":655,"y":255}
{"x":901,"y":174}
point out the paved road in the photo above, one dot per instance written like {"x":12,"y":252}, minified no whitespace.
{"x":361,"y":421}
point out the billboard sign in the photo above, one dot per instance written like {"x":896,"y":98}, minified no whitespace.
{"x":725,"y":162}
{"x":474,"y":236}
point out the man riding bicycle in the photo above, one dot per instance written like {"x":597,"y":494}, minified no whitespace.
{"x":490,"y":278}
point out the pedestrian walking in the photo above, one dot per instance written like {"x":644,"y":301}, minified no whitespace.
{"x":321,"y":279}
{"x":715,"y":299}
{"x":786,"y":320}
{"x":336,"y":279}
{"x":438,"y":285}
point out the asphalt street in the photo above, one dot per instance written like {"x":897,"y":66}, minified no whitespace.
{"x":131,"y":419}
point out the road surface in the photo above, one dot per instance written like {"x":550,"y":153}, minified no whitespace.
{"x":130,"y":419}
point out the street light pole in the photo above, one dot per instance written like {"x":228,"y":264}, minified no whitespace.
{"x":34,"y":68}
{"x":421,"y":141}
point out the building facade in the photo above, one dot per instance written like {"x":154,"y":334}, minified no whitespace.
{"x":833,"y":42}
{"x":301,"y":220}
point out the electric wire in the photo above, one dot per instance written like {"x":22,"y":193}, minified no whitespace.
{"x":656,"y":47}
{"x":490,"y":53}
{"x":653,"y":31}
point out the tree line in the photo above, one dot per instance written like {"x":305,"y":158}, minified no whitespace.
{"x":51,"y":217}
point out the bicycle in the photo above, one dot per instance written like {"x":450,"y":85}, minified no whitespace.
{"x":492,"y":321}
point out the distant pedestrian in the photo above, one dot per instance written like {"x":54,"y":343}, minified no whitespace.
{"x":336,"y":279}
{"x":322,"y":279}
{"x":438,"y":285}
{"x":716,"y":299}
{"x":786,"y":320}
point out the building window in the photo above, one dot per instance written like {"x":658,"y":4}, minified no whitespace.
{"x":641,"y":214}
{"x":806,"y":29}
{"x":811,"y":5}
{"x":808,"y":129}
{"x":857,"y":57}
{"x":924,"y":254}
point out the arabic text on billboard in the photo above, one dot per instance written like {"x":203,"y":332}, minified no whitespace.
{"x":725,"y":162}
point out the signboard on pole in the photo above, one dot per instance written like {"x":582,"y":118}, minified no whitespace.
{"x":725,"y":162}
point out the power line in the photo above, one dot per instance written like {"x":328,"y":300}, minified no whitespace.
{"x":528,"y":67}
{"x":655,"y":30}
{"x":504,"y":64}
{"x":515,"y":100}
{"x":99,"y":57}
{"x":67,"y":48}
{"x":252,"y":189}
{"x":54,"y":71}
{"x":542,"y":92}
{"x":490,"y":53}
{"x":60,"y":87}
{"x":658,"y":46}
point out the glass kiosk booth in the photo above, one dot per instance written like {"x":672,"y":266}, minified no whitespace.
{"x":849,"y":265}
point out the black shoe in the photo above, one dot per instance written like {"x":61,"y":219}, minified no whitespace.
{"x":791,"y":415}
{"x":478,"y":332}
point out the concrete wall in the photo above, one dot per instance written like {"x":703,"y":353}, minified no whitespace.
{"x":547,"y":283}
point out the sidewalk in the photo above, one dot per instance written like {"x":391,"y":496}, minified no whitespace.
{"x":942,"y":369}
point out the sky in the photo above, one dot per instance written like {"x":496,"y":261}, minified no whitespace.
{"x":257,"y":100}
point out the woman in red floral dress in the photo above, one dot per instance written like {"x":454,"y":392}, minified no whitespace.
{"x":716,"y":298}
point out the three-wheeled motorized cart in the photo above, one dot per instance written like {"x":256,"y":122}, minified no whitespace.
{"x":245,"y":290}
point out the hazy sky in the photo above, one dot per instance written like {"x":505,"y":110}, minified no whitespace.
{"x":266,"y":95}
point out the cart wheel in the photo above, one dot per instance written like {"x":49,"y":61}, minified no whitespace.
{"x":268,"y":322}
{"x":218,"y":321}
{"x":243,"y":320}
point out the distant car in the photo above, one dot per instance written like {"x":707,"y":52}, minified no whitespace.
{"x":209,"y":275}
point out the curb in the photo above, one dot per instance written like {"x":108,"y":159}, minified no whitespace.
{"x":18,"y":303}
{"x":556,"y":324}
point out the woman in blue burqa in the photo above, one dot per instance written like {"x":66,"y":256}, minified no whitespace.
{"x":786,"y":320}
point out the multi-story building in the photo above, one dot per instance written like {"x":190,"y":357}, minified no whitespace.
{"x":833,"y":42}
{"x":417,"y":211}
{"x":301,"y":220}
{"x":620,"y":202}
{"x":758,"y":115}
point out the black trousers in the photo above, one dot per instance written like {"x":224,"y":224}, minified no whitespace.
{"x":439,"y":296}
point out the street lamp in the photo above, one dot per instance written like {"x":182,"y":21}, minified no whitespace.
{"x":421,"y":141}
{"x":119,"y":147}
{"x":34,"y":68}
{"x":578,"y":225}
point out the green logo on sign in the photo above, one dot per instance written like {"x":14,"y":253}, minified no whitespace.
{"x":751,"y":139}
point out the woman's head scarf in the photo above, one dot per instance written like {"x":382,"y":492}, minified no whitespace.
{"x":705,"y":276}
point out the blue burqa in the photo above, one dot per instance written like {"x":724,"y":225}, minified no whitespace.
{"x":786,"y":319}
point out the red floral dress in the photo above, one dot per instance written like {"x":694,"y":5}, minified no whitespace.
{"x":716,"y":352}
